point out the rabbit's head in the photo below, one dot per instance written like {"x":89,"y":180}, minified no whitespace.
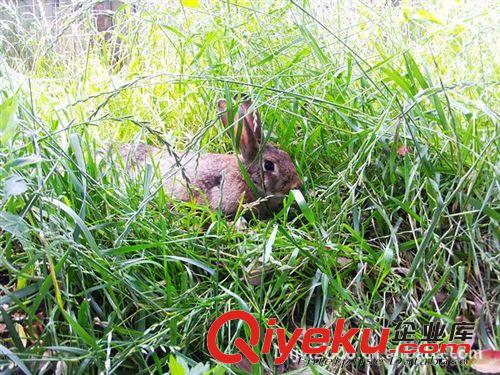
{"x":271,"y":169}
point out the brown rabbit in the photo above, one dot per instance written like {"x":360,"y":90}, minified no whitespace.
{"x":216,"y":179}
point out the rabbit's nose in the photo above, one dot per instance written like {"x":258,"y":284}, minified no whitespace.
{"x":296,"y":184}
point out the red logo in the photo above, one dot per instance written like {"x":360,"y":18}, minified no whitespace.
{"x":239,"y":342}
{"x":313,"y":341}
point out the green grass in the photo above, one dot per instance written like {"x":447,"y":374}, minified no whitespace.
{"x":99,"y":272}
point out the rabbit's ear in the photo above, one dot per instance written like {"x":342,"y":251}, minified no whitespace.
{"x":252,"y":118}
{"x":249,"y":145}
{"x":247,"y":125}
{"x":223,"y":112}
{"x":222,"y":109}
{"x":251,"y":133}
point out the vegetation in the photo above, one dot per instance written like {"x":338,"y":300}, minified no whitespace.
{"x":389,"y":111}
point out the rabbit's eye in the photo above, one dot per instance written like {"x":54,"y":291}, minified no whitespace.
{"x":268,"y":165}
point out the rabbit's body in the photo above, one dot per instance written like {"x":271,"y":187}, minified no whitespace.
{"x":217,"y":179}
{"x":204,"y":177}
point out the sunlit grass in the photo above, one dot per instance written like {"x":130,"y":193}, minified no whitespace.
{"x":389,"y":112}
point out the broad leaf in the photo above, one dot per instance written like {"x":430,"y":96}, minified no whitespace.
{"x":13,"y":224}
{"x":14,"y":185}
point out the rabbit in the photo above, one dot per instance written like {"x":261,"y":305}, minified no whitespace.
{"x":216,"y":179}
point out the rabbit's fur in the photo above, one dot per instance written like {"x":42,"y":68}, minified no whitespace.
{"x":216,"y":179}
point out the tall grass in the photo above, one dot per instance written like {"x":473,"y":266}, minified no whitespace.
{"x":388,"y":110}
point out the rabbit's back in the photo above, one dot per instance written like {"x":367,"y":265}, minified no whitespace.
{"x":205,"y":178}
